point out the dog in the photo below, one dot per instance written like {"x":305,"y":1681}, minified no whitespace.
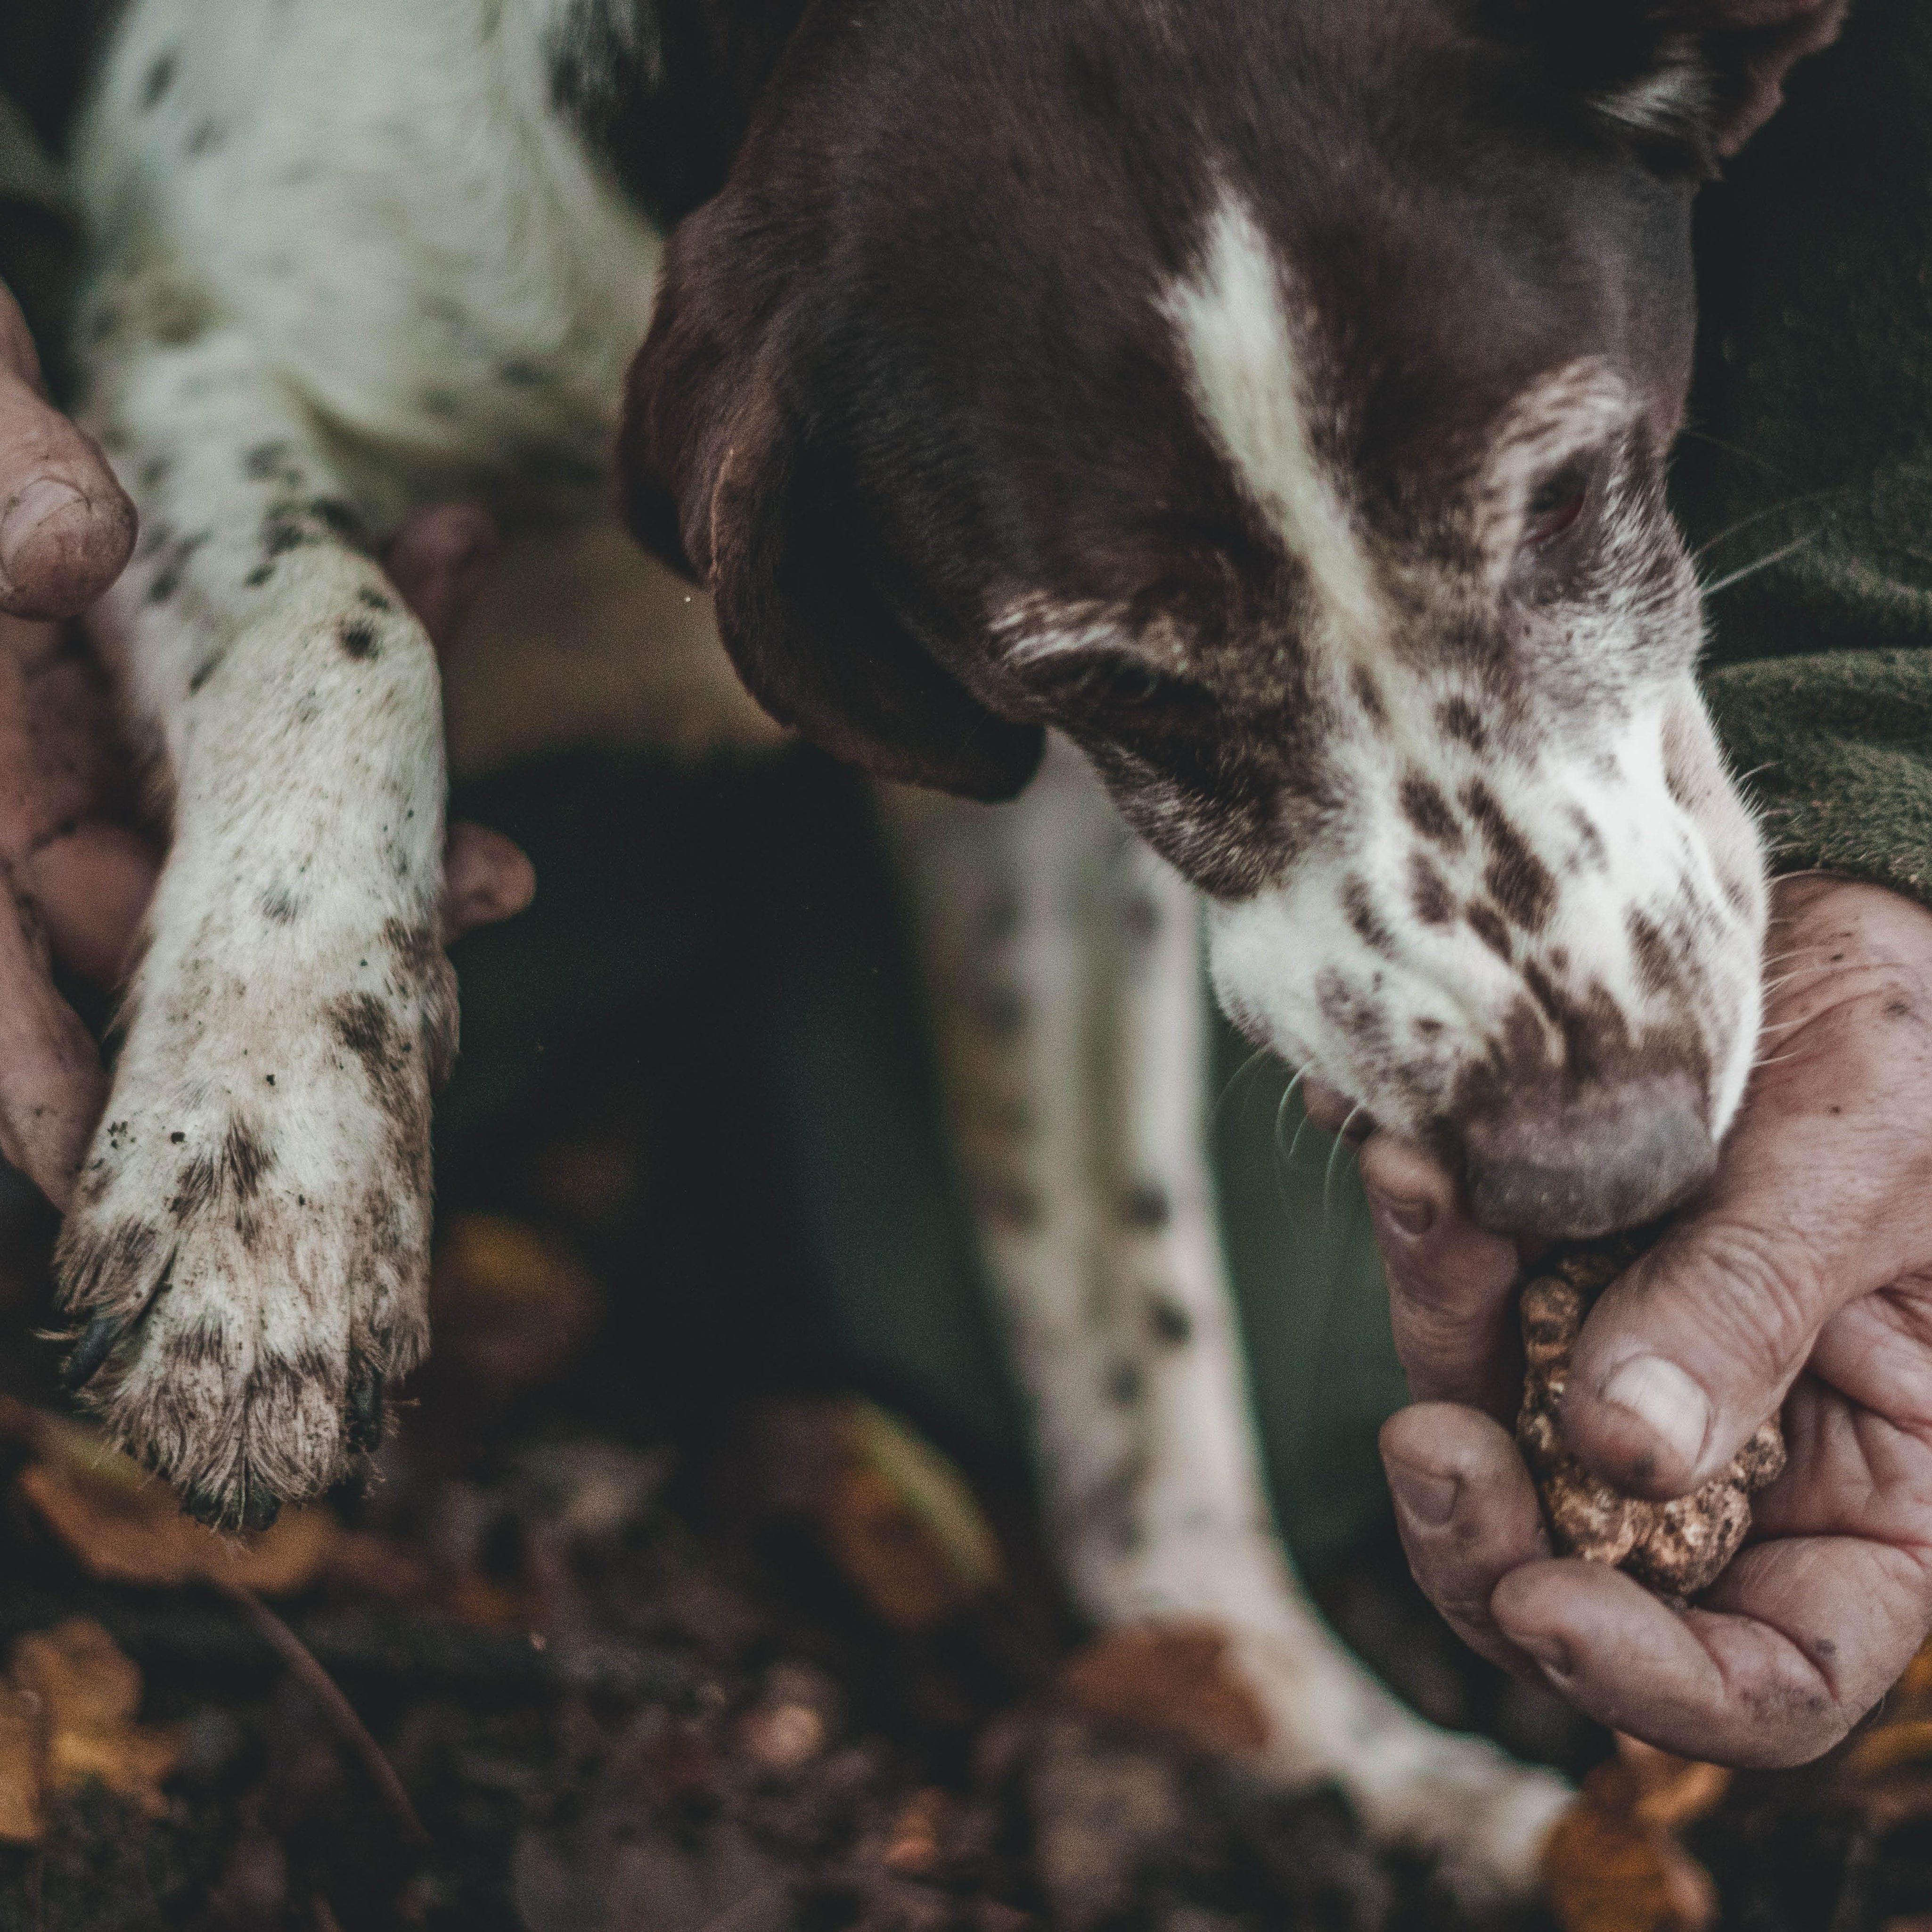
{"x":1269,"y":403}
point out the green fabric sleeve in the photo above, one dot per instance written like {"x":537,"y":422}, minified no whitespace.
{"x":1806,"y":478}
{"x":36,"y":237}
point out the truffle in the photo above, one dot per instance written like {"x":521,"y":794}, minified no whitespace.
{"x":1677,"y":1549}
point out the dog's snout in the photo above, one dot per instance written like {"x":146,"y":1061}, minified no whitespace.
{"x":1573,"y":1167}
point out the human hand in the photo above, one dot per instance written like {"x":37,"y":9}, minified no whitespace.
{"x":1804,"y":1278}
{"x":78,"y":875}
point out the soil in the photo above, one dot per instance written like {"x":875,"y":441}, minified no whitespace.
{"x":594,"y":1613}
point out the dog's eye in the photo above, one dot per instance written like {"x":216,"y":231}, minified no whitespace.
{"x":1129,"y":686}
{"x":1556,"y":508}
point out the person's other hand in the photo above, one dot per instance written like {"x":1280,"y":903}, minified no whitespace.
{"x":1803,"y":1280}
{"x":78,"y":874}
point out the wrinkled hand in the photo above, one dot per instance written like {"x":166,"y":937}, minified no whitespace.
{"x":1804,"y":1278}
{"x":78,"y":875}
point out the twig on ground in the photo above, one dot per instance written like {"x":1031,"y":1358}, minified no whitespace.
{"x":340,"y":1712}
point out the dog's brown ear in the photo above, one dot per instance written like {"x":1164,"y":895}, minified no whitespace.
{"x":721,"y":478}
{"x":1752,"y":46}
{"x":1691,"y":80}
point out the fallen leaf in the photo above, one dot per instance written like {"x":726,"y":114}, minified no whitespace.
{"x":1170,"y":1682}
{"x":23,"y":1816}
{"x":78,"y":1696}
{"x":510,"y":1306}
{"x":898,"y":1518}
{"x":1613,"y":1863}
{"x":1886,"y":1775}
{"x":123,"y":1526}
{"x":914,"y":1850}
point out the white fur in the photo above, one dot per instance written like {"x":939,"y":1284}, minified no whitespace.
{"x":1063,"y":972}
{"x":1250,"y":382}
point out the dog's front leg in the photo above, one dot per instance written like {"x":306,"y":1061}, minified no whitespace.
{"x":1063,"y":965}
{"x":247,"y":1250}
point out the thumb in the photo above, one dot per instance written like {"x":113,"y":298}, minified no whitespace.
{"x":1687,"y":1355}
{"x":1820,"y":1198}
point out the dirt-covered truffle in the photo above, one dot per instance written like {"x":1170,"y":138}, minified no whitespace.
{"x":1677,"y":1549}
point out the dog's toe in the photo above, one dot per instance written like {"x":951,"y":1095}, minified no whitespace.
{"x":367,"y":1416}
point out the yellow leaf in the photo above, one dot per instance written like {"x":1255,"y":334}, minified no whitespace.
{"x":1171,"y":1682}
{"x":509,"y":1305}
{"x":22,"y":1819}
{"x":123,"y":1526}
{"x":1607,"y":1868}
{"x":84,"y":1694}
{"x":903,"y":1524}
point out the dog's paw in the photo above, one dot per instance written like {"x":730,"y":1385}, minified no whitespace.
{"x":1482,"y":1817}
{"x":246,"y":1261}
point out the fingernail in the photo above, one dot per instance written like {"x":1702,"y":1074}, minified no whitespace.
{"x":1422,"y":1494}
{"x":1412,"y":1218}
{"x":45,"y":498}
{"x":1551,"y":1652}
{"x":1665,"y":1400}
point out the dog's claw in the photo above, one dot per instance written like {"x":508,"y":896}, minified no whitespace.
{"x":366,"y":1416}
{"x":92,"y":1352}
{"x":255,"y":1509}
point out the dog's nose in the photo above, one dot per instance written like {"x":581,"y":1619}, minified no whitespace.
{"x":1573,"y":1167}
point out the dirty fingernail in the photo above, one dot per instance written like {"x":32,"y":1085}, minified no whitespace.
{"x":26,"y":518}
{"x":1428,"y":1497}
{"x":1663,"y":1397}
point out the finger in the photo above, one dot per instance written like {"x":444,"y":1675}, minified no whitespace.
{"x":51,"y":1085}
{"x":91,"y":889}
{"x":66,"y":525}
{"x":1467,"y":1515}
{"x":1823,"y":1195}
{"x":1451,"y":1303}
{"x":1797,"y":1642}
{"x":486,"y":878}
{"x":438,"y":560}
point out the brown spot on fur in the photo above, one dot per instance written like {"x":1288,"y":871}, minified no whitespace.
{"x":247,"y":1158}
{"x":1489,"y":926}
{"x":1519,"y":881}
{"x":1171,"y":1323}
{"x":1429,"y":892}
{"x":1368,"y":696}
{"x":1657,"y":964}
{"x":1425,"y":808}
{"x":1358,"y":903}
{"x":357,"y":636}
{"x":1146,"y":1206}
{"x":1458,"y":719}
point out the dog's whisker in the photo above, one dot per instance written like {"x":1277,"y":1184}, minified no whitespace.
{"x":1334,"y":1155}
{"x":1763,"y":563}
{"x":1757,"y":517}
{"x":1247,"y":1067}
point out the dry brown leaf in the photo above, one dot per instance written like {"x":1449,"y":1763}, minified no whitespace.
{"x":901,"y":1523}
{"x":1613,"y":1863}
{"x":1171,"y":1682}
{"x":1886,"y":1775}
{"x":123,"y":1526}
{"x":915,"y":1850}
{"x":23,"y":1749}
{"x":509,"y":1306}
{"x":78,"y":1695}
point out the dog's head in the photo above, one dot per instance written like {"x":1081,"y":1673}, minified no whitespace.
{"x":1276,"y":400}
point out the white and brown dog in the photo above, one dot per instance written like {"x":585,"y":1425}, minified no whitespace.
{"x":1271,"y":400}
